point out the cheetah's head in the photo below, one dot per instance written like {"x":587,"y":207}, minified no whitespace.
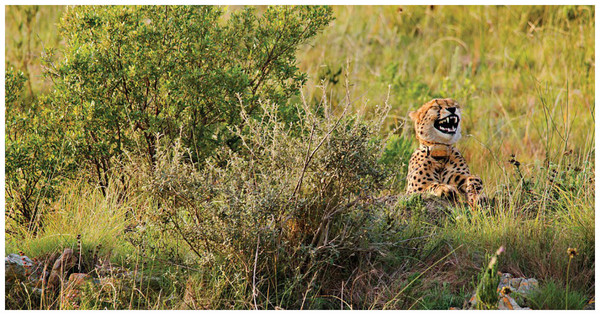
{"x":438,"y":121}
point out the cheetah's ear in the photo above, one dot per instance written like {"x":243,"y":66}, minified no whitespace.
{"x":414,"y":115}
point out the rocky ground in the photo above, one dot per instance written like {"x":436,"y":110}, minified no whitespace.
{"x":509,"y":287}
{"x":59,"y":273}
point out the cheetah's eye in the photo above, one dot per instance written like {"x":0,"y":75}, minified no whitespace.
{"x":434,"y":108}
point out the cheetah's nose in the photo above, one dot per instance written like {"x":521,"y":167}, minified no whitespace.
{"x":451,"y":109}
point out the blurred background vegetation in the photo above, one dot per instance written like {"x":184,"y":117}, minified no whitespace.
{"x":243,"y":201}
{"x":514,"y":69}
{"x":497,"y":61}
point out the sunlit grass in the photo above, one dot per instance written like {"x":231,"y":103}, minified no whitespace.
{"x":81,"y":210}
{"x":524,"y":74}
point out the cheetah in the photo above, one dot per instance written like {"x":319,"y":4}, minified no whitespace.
{"x":437,"y":166}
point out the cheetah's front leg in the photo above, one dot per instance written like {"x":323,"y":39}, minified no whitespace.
{"x":426,"y":181}
{"x":443,"y":190}
{"x":474,"y":191}
{"x":423,"y":177}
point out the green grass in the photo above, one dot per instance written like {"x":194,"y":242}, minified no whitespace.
{"x":525,"y":76}
{"x":514,"y":69}
{"x":81,"y":210}
{"x":552,"y":297}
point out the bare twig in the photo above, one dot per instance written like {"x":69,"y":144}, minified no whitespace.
{"x":254,"y":290}
{"x":310,"y":156}
{"x":308,"y":289}
{"x":170,"y":263}
{"x":342,"y":297}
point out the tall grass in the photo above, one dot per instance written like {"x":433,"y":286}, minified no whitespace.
{"x":525,"y":74}
{"x":81,"y":210}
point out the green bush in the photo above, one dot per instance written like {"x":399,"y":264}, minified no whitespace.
{"x":286,"y":210}
{"x":396,"y":154}
{"x":36,"y":153}
{"x":129,"y":73}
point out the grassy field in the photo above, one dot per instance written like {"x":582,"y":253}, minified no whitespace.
{"x":525,"y":77}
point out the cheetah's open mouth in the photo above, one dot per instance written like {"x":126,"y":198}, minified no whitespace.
{"x":448,"y":124}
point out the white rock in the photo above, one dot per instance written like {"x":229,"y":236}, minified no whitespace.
{"x":16,"y":266}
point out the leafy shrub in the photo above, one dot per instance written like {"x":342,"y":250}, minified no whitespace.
{"x":286,"y":210}
{"x":36,"y":153}
{"x":129,"y":73}
{"x":396,"y":154}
